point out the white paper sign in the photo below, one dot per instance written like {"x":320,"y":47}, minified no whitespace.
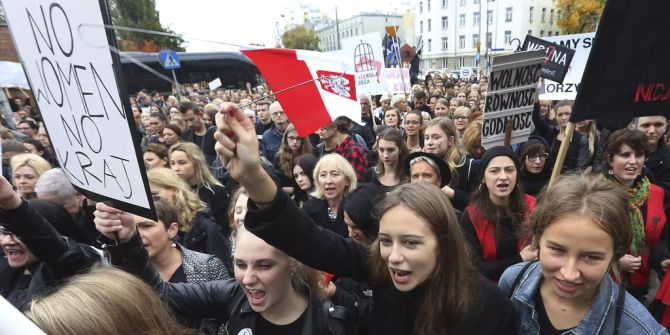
{"x":510,"y":96}
{"x":214,"y":84}
{"x":398,"y":80}
{"x":14,"y":322}
{"x":63,"y":47}
{"x":581,"y":43}
{"x":366,"y":53}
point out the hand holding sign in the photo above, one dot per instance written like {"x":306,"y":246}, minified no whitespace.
{"x":114,"y":223}
{"x":8,"y":198}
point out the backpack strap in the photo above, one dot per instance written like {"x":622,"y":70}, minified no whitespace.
{"x":621,"y":299}
{"x":519,"y":276}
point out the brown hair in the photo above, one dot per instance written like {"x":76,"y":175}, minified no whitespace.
{"x":166,"y":212}
{"x":591,"y":197}
{"x":635,"y":139}
{"x":393,"y":135}
{"x":472,"y":134}
{"x":231,"y":207}
{"x":106,"y":301}
{"x":447,"y":298}
{"x":285,"y":154}
{"x":456,"y":154}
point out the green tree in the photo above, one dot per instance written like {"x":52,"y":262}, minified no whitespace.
{"x":579,"y":16}
{"x":141,"y":14}
{"x":300,"y":38}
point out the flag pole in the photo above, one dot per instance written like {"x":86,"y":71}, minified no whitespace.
{"x":565,"y":144}
{"x":400,"y":66}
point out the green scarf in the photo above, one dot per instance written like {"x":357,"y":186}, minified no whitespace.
{"x":637,"y":196}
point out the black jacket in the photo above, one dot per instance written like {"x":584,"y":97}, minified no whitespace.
{"x":221,"y":299}
{"x":466,"y":179}
{"x":286,"y":227}
{"x":206,"y":237}
{"x":58,"y":257}
{"x":577,"y":157}
{"x":317,"y":209}
{"x":205,"y":143}
{"x":658,"y":166}
{"x":217,"y":199}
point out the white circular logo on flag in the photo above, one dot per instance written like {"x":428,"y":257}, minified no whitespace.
{"x":245,"y":331}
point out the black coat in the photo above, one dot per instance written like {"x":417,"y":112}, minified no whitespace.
{"x":317,"y":209}
{"x":205,"y":143}
{"x":658,"y":166}
{"x":58,"y":257}
{"x":286,"y":227}
{"x":207,"y":237}
{"x":221,"y":299}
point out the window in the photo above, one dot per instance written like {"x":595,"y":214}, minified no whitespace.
{"x":461,"y":2}
{"x":475,"y":40}
{"x":445,"y":3}
{"x":461,"y":20}
{"x":476,"y":2}
{"x":556,"y":34}
{"x":430,"y":45}
{"x":461,"y":41}
{"x":428,"y":5}
{"x":489,"y":17}
{"x":530,"y":14}
{"x":421,"y":27}
{"x":544,"y":15}
{"x":429,"y":25}
{"x":476,"y":18}
{"x":508,"y":14}
{"x":558,"y":14}
{"x":445,"y":22}
{"x":508,"y":36}
{"x":530,"y":32}
{"x":551,"y":17}
{"x":445,"y":63}
{"x":489,"y":40}
{"x":541,"y":33}
{"x":550,"y":32}
{"x":445,"y":43}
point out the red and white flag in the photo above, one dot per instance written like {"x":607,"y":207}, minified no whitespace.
{"x":317,"y":102}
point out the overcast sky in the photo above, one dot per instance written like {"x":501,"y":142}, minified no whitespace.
{"x":246,"y":21}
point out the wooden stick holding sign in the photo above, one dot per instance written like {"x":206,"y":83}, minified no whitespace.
{"x":508,"y":134}
{"x":562,"y":151}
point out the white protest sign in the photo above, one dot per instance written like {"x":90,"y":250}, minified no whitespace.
{"x":368,"y":59}
{"x":510,"y":96}
{"x":214,"y":84}
{"x":398,"y":82}
{"x":64,"y":50}
{"x":14,"y":322}
{"x":581,"y":43}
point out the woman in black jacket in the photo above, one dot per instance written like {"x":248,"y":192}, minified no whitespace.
{"x":37,"y":257}
{"x":418,"y":267}
{"x":271,"y":292}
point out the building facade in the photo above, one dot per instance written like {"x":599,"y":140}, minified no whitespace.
{"x":453,"y":30}
{"x":358,"y":25}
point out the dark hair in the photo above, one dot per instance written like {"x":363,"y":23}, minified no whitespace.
{"x":160,"y":116}
{"x":186,"y":106}
{"x":307,"y":163}
{"x":449,"y":291}
{"x":166,"y":212}
{"x":420,"y":95}
{"x":590,"y":197}
{"x":285,"y":156}
{"x":159,"y":149}
{"x":393,"y":135}
{"x":563,"y":103}
{"x":342,"y":124}
{"x":635,"y":139}
{"x":530,"y":150}
{"x":13,"y":146}
{"x":31,"y":124}
{"x":174,"y":128}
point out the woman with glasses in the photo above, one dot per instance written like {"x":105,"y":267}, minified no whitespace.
{"x":462,"y":117}
{"x":414,"y":130}
{"x":495,"y":222}
{"x":292,"y":146}
{"x":535,"y":172}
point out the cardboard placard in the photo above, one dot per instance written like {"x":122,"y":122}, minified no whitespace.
{"x":567,"y":90}
{"x":398,"y":80}
{"x":366,"y":53}
{"x":76,"y":81}
{"x":627,"y":74}
{"x":510,"y":95}
{"x":558,"y":58}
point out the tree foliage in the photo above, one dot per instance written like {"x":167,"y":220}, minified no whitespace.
{"x":300,"y":38}
{"x":579,"y":16}
{"x":141,"y":14}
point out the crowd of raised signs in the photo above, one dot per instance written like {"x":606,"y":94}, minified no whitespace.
{"x":403,"y":224}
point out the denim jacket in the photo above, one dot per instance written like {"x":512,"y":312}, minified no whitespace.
{"x":635,"y":318}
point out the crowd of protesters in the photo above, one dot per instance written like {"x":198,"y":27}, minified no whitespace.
{"x":403,"y":224}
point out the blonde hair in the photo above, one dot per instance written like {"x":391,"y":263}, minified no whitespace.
{"x":341,"y":164}
{"x":231,"y":207}
{"x":106,"y":301}
{"x":34,"y":161}
{"x":185,"y":200}
{"x":203,"y":176}
{"x":456,"y":155}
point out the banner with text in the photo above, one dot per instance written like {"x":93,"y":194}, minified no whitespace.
{"x":567,"y":90}
{"x":368,"y":59}
{"x":558,"y":58}
{"x":510,"y":95}
{"x":398,"y":80}
{"x":627,"y":74}
{"x":74,"y":77}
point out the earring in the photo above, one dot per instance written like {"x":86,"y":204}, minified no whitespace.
{"x":610,"y":172}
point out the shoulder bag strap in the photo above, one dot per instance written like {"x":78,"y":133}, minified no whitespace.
{"x":621,"y":299}
{"x":518,"y":278}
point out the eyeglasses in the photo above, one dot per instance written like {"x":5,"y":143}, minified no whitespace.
{"x":460,"y":117}
{"x":294,"y":138}
{"x":412,"y":122}
{"x":538,"y":157}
